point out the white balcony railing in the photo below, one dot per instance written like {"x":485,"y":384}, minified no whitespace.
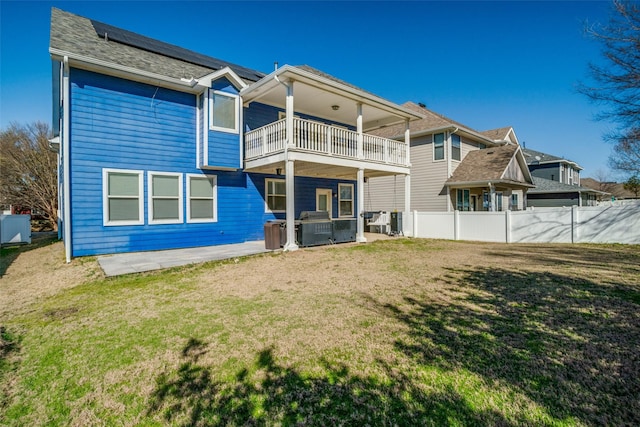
{"x":325,"y":139}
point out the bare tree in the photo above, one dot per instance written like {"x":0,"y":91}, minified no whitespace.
{"x":616,"y":83}
{"x":604,"y":181}
{"x":28,"y":173}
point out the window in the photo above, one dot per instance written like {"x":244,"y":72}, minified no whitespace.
{"x":438,"y":146}
{"x":202,"y":198}
{"x":345,"y":199}
{"x":165,"y":198}
{"x":486,"y":201}
{"x":499,"y":201}
{"x":122,"y":197}
{"x":223,"y":111}
{"x":513,"y":203}
{"x":462,"y":203}
{"x":276,"y":194}
{"x":455,"y":147}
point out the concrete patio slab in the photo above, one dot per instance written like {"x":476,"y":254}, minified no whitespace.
{"x":138,"y":262}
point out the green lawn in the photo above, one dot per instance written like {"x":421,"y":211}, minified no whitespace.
{"x":397,"y":332}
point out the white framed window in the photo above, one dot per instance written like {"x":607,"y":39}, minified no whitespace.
{"x":345,"y":200}
{"x":438,"y":146}
{"x":122,"y":197}
{"x":202,"y":198}
{"x":499,"y":201}
{"x":223,"y":111}
{"x":275,"y":195}
{"x":455,"y":147}
{"x":165,"y":204}
{"x":513,"y":202}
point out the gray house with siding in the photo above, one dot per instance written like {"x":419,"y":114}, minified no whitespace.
{"x":553,"y":168}
{"x":549,"y":194}
{"x":438,"y":147}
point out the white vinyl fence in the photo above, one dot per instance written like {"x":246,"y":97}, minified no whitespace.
{"x":15,"y":229}
{"x":593,"y":224}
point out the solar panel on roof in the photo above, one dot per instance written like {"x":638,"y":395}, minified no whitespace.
{"x":129,"y":38}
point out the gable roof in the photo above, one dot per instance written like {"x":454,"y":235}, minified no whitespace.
{"x":534,"y":157}
{"x":548,"y":186}
{"x":481,"y":167}
{"x":430,"y":123}
{"x":501,"y":134}
{"x":100,"y":44}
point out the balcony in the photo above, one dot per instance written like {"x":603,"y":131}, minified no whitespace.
{"x":332,"y":142}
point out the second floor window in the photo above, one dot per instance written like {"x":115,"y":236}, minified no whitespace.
{"x":438,"y":146}
{"x":455,"y":147}
{"x":223,"y":111}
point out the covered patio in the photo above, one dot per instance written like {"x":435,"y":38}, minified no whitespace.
{"x":322,"y":133}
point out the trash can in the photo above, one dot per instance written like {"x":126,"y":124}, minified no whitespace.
{"x":272,"y":235}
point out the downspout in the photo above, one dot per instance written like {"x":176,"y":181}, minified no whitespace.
{"x":66,"y":158}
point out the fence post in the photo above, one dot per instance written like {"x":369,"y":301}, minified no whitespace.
{"x":574,"y":224}
{"x":507,"y":220}
{"x":456,"y":225}
{"x":415,"y":223}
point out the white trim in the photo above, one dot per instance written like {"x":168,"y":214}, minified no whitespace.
{"x":117,"y":70}
{"x":266,"y":195}
{"x":205,"y":129}
{"x":66,"y":159}
{"x":228,"y":73}
{"x":198,"y":130}
{"x":150,"y":198}
{"x":105,"y":197}
{"x":214,"y":180}
{"x":236,"y":99}
{"x":340,"y":215}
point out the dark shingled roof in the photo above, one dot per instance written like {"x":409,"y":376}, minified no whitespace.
{"x":534,"y":157}
{"x":484,"y":165}
{"x":81,"y":36}
{"x":549,"y":186}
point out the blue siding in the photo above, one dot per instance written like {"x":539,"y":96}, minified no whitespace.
{"x":305,"y":193}
{"x":121,"y":124}
{"x":224,"y":147}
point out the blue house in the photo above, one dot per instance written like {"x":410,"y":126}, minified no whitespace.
{"x":161,"y":147}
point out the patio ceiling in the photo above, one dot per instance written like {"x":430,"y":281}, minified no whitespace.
{"x":318,"y":96}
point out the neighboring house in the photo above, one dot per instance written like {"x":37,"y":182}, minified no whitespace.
{"x":161,"y":147}
{"x":551,"y":167}
{"x":555,"y":194}
{"x":608,"y":189}
{"x":439,"y":148}
{"x":557,"y":182}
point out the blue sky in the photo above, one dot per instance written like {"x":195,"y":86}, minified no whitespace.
{"x":484,"y":64}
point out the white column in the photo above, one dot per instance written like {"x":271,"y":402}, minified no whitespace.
{"x":359,"y":130}
{"x":407,"y":194}
{"x":407,"y":178}
{"x":289,"y":111}
{"x":291,"y":212}
{"x":66,"y":160}
{"x":407,"y":140}
{"x":360,"y":208}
